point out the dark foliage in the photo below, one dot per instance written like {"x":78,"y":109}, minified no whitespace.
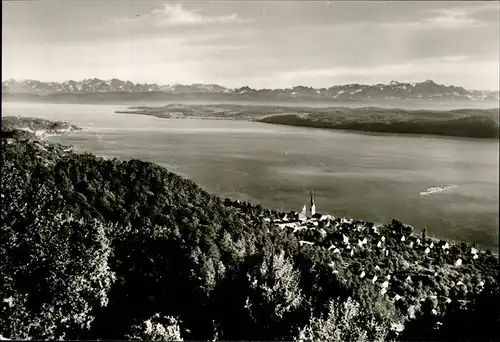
{"x":474,"y":126}
{"x":103,"y":249}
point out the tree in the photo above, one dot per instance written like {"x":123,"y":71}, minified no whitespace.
{"x":274,"y":295}
{"x":343,"y":322}
{"x":55,"y":273}
{"x":156,"y":328}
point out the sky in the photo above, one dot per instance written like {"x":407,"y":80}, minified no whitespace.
{"x":262,"y":44}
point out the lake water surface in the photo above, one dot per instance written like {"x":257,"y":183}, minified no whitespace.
{"x":374,"y":177}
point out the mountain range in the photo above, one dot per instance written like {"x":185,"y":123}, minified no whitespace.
{"x":427,"y":90}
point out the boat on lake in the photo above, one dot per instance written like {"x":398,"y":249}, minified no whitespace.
{"x":435,"y":189}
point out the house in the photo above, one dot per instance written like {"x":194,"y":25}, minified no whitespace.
{"x":458,"y":262}
{"x":362,"y":275}
{"x":345,"y":239}
{"x":287,"y":225}
{"x":379,"y":244}
{"x":352,"y":252}
{"x":383,"y":291}
{"x":427,"y":250}
{"x":302,"y":242}
{"x":431,"y":245}
{"x":385,"y":284}
{"x":325,"y":217}
{"x":446,"y":246}
{"x":402,"y":238}
{"x":473,"y":251}
{"x":374,"y":279}
{"x":299,"y":228}
{"x":331,"y":247}
{"x":411,"y":244}
{"x":475,"y":257}
{"x":387,"y":253}
{"x":344,"y":220}
{"x":382,"y":239}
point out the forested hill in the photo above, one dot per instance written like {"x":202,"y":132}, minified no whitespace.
{"x":470,"y":123}
{"x":102,"y":249}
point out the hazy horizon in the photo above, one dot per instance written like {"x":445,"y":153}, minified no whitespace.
{"x":256,"y":44}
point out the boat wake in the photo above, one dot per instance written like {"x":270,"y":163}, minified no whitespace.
{"x":436,"y":189}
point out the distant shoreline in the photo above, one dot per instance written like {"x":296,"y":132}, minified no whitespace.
{"x":461,"y":123}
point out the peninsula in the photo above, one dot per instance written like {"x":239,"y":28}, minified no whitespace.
{"x":35,"y":127}
{"x":470,"y":123}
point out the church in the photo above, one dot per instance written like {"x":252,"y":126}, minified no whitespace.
{"x":308,"y":212}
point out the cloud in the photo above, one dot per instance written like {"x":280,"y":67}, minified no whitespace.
{"x":177,"y":15}
{"x":448,"y":18}
{"x":452,"y":19}
{"x":446,"y":59}
{"x":447,"y":69}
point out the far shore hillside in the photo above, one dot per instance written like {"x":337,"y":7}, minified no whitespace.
{"x":468,"y":123}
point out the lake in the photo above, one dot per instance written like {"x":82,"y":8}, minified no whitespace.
{"x":373,"y":177}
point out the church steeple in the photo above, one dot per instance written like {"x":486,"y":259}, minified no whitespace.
{"x":313,"y":206}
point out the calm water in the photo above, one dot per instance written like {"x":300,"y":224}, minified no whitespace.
{"x":369,"y":177}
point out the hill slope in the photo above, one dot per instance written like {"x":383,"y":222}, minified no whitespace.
{"x":102,"y":249}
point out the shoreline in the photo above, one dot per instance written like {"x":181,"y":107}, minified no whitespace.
{"x":45,"y":137}
{"x":495,"y":250}
{"x":315,"y":118}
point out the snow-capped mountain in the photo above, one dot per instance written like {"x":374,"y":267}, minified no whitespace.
{"x":94,"y":85}
{"x":392,"y":91}
{"x":427,"y":90}
{"x":193,"y":88}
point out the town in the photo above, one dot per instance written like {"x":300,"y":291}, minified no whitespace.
{"x":430,"y":269}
